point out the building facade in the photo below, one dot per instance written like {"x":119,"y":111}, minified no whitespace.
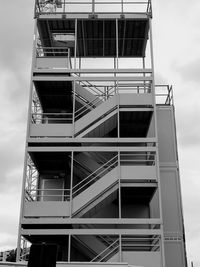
{"x":101,"y":177}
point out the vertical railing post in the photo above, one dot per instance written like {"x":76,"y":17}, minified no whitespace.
{"x":64,"y":6}
{"x":120,"y":248}
{"x":69,"y":248}
{"x":172,"y":95}
{"x":71,"y":184}
{"x":73,"y":109}
{"x":93,"y":7}
{"x":75,"y":45}
{"x":119,"y":183}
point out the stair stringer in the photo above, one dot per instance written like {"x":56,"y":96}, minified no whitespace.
{"x":98,"y":123}
{"x":85,"y":93}
{"x":93,"y":243}
{"x":95,"y":193}
{"x":95,"y":115}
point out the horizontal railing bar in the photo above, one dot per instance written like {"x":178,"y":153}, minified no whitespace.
{"x":46,"y":195}
{"x":104,"y":250}
{"x":34,"y":113}
{"x":87,"y":221}
{"x":50,"y":189}
{"x":136,"y":70}
{"x":90,"y":78}
{"x":53,"y":47}
{"x":101,"y":3}
{"x":90,"y":104}
{"x":53,"y":52}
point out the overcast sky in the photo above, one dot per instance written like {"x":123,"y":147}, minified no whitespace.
{"x":176,"y":35}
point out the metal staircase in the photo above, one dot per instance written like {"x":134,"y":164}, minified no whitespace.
{"x":88,"y":192}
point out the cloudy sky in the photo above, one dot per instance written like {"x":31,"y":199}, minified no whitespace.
{"x":177,"y":61}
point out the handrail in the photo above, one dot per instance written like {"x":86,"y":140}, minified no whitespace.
{"x":38,"y":118}
{"x":165,"y":97}
{"x":138,"y":158}
{"x":39,"y":193}
{"x":107,"y":248}
{"x":61,"y":6}
{"x":109,"y":252}
{"x":94,"y":175}
{"x":83,"y":166}
{"x":85,"y":107}
{"x":86,"y":83}
{"x":52,"y":50}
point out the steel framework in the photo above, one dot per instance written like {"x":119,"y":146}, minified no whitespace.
{"x":100,"y":172}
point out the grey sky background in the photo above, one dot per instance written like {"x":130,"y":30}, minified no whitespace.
{"x":176,"y":35}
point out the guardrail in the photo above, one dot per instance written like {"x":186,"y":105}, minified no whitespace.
{"x":164,"y":95}
{"x":51,"y":118}
{"x":137,"y":158}
{"x":129,"y":243}
{"x":48,"y":194}
{"x":87,"y":107}
{"x":107,"y":252}
{"x":121,"y":88}
{"x":44,"y":51}
{"x":96,"y":175}
{"x":93,"y":6}
{"x":147,"y":243}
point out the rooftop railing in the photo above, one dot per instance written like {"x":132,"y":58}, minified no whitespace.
{"x":164,"y":95}
{"x":93,"y":6}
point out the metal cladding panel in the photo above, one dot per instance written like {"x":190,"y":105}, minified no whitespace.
{"x":170,"y":188}
{"x":52,"y":63}
{"x":172,"y":249}
{"x":142,"y":258}
{"x":136,"y":99}
{"x":170,"y":192}
{"x":50,"y":130}
{"x":46,"y":209}
{"x":166,"y":135}
{"x":138,"y":172}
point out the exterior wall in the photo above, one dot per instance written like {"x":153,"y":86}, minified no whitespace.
{"x":170,"y":188}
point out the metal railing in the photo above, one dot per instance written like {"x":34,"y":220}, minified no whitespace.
{"x":93,"y":6}
{"x":51,"y":118}
{"x":164,"y":95}
{"x":47,"y":194}
{"x":137,"y":158}
{"x":106,"y":91}
{"x":92,"y":87}
{"x":96,"y":175}
{"x":125,"y":158}
{"x":87,"y":107}
{"x":129,"y":243}
{"x":145,"y":243}
{"x":107,"y":252}
{"x":44,"y":51}
{"x":103,"y":94}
